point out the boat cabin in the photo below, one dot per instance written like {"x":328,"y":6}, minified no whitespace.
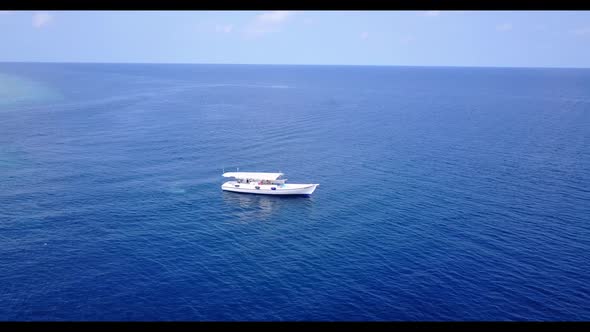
{"x":257,"y":178}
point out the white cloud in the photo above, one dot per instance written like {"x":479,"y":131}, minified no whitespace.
{"x":267,"y":22}
{"x":41,"y":19}
{"x":364,"y":35}
{"x":504,"y":27}
{"x":276,"y":16}
{"x":582,"y":31}
{"x":431,"y":13}
{"x":224,"y":28}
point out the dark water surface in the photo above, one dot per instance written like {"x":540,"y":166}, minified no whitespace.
{"x":446,"y":193}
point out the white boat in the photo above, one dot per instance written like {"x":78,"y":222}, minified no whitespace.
{"x":265,"y":183}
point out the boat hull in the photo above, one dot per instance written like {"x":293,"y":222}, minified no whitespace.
{"x":287,"y":189}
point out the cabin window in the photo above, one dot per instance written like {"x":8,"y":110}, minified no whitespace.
{"x":237,"y":185}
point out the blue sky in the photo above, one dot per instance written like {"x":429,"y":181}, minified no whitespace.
{"x":415,"y":38}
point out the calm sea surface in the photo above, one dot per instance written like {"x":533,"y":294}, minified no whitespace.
{"x":446,"y":193}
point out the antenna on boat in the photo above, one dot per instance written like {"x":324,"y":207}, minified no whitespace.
{"x":237,"y":169}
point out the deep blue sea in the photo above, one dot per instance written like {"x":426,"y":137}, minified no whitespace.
{"x":447,"y":194}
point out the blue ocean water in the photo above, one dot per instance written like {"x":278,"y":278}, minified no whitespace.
{"x":446,"y":193}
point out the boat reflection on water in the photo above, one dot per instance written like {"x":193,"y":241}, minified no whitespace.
{"x":250,"y":207}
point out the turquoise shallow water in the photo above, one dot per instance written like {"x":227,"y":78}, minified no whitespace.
{"x":446,"y":193}
{"x":18,"y":90}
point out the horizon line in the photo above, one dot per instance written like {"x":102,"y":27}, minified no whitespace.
{"x":287,"y":64}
